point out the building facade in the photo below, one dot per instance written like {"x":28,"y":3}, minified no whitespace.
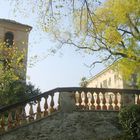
{"x":110,"y":78}
{"x":14,"y":34}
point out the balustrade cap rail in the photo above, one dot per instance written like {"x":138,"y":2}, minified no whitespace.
{"x":70,"y":89}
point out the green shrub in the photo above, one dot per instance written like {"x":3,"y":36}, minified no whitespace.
{"x":17,"y":91}
{"x":129,"y":118}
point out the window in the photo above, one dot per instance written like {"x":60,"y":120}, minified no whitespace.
{"x":109,"y":81}
{"x":115,"y":79}
{"x":105,"y":83}
{"x":133,"y":81}
{"x":9,"y":39}
{"x":100,"y":85}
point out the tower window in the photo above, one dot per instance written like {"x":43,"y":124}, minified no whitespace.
{"x":9,"y":39}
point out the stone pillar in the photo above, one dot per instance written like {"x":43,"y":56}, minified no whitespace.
{"x":67,"y":102}
{"x":128,"y":99}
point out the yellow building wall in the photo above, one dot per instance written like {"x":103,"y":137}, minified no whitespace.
{"x":107,"y":79}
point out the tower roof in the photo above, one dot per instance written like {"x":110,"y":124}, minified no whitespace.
{"x":15,"y":22}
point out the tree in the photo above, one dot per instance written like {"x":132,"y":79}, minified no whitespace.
{"x":115,"y":29}
{"x":17,"y":91}
{"x":83,"y":82}
{"x":12,"y":82}
{"x":109,"y":30}
{"x":11,"y":64}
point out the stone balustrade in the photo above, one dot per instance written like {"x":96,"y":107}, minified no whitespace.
{"x":106,"y":99}
{"x":65,"y":100}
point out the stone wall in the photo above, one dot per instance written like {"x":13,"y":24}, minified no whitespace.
{"x":98,"y":125}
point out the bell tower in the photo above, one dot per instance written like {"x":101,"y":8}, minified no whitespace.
{"x":14,"y":36}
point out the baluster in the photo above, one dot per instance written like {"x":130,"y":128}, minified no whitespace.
{"x":76,"y":99}
{"x":23,"y":115}
{"x":38,"y":116}
{"x":116,"y":102}
{"x":80,"y":101}
{"x":10,"y":120}
{"x":110,"y":103}
{"x":120,"y":100}
{"x":58,"y":107}
{"x":92,"y":102}
{"x":31,"y":113}
{"x":46,"y":106}
{"x":89,"y":95}
{"x":52,"y":104}
{"x":98,"y":102}
{"x":104,"y":102}
{"x":17,"y":117}
{"x":138,"y":99}
{"x":86,"y":107}
{"x":2,"y":123}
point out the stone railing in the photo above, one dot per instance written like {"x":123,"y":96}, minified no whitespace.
{"x":65,"y":100}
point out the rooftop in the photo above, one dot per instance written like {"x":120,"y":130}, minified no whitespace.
{"x":100,"y":73}
{"x":15,"y":22}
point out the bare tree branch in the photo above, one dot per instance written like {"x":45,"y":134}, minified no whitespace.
{"x":133,"y":25}
{"x":125,"y":31}
{"x":101,"y":61}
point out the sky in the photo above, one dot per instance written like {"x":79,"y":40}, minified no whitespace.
{"x":63,"y":69}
